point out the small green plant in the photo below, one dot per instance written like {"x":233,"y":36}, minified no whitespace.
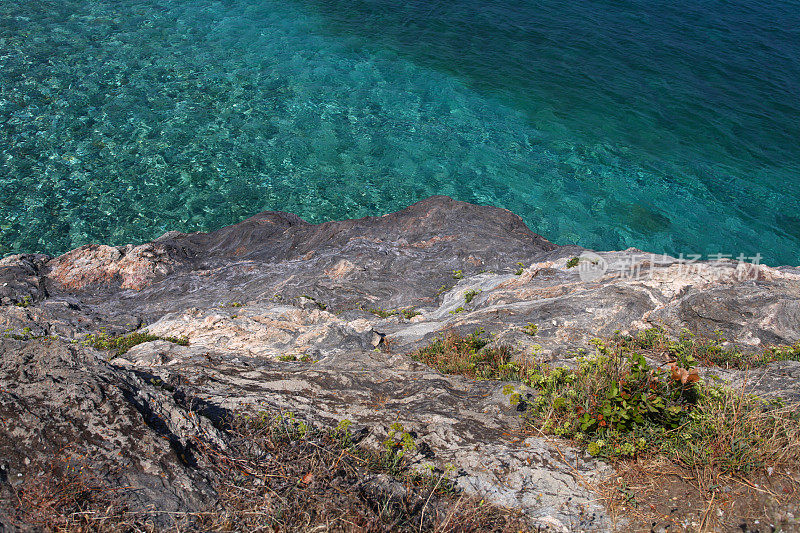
{"x":398,"y":444}
{"x":531,"y":329}
{"x":410,"y":313}
{"x":399,"y":437}
{"x":470,"y":356}
{"x":27,"y":335}
{"x":572,"y":263}
{"x":459,"y":309}
{"x":470,"y":295}
{"x":383,"y":313}
{"x":342,"y":435}
{"x":235,"y":304}
{"x":520,"y":268}
{"x":122,"y":343}
{"x":457,"y":274}
{"x":442,"y":289}
{"x":156,"y":382}
{"x":287,"y":426}
{"x":26,"y":302}
{"x":288,"y":358}
{"x":386,"y":313}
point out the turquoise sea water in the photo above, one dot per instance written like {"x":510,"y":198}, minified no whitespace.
{"x":668,"y":126}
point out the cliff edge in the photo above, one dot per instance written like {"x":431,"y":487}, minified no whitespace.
{"x":278,"y":315}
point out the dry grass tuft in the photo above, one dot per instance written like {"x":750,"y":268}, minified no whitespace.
{"x":656,"y":494}
{"x":72,"y":497}
{"x":288,"y":476}
{"x":277,"y":474}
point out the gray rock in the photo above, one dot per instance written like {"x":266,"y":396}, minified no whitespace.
{"x":21,"y":280}
{"x":306,"y":290}
{"x":61,"y":403}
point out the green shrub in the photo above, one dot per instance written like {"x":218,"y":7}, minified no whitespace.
{"x":386,"y":313}
{"x":610,"y":394}
{"x":617,"y":405}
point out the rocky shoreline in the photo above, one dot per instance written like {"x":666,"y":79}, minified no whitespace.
{"x":316,"y":320}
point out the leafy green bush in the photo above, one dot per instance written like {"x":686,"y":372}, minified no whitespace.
{"x":410,"y":313}
{"x":398,"y":444}
{"x":610,"y":397}
{"x":617,"y":405}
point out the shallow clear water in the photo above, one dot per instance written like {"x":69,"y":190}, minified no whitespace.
{"x":669,"y":126}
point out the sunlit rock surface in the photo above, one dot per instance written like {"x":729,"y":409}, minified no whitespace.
{"x":278,"y":316}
